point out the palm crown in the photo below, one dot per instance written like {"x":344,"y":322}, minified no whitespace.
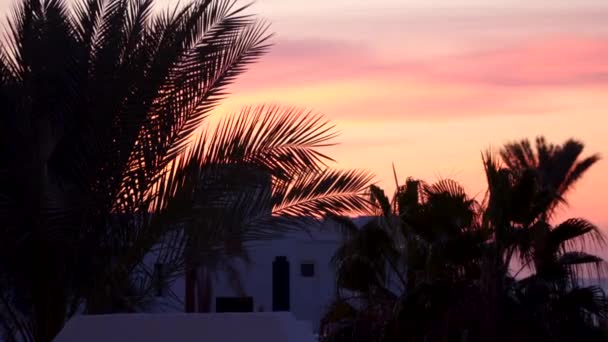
{"x":103,"y":167}
{"x":437,"y":263}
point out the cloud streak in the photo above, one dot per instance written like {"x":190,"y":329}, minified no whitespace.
{"x":355,"y":81}
{"x":554,"y":61}
{"x":570,"y":61}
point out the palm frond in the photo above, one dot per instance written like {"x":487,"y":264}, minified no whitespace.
{"x":560,"y":161}
{"x":518,"y":155}
{"x":277,"y":138}
{"x":446,"y":187}
{"x":379,"y":199}
{"x":295,"y":205}
{"x":557,"y":168}
{"x":497,"y":200}
{"x":577,"y":172}
{"x":18,"y":45}
{"x":224,"y":55}
{"x":583,"y":265}
{"x":577,"y":258}
{"x":279,"y":142}
{"x":361,"y":261}
{"x":575,"y":233}
{"x":328,"y":191}
{"x":408,"y":197}
{"x":583,"y":303}
{"x":520,"y":242}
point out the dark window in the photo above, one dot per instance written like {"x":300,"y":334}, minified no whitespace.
{"x":307,"y":269}
{"x":234,"y":304}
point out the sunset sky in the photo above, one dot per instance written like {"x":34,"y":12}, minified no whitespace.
{"x":429,"y":85}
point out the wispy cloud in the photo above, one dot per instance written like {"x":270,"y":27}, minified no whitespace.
{"x":555,"y":61}
{"x":550,"y":61}
{"x":353,"y":80}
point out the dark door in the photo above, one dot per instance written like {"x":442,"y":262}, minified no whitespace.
{"x":280,"y":284}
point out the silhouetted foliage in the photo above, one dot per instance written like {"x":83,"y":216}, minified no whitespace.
{"x":101,"y":167}
{"x":438,"y":266}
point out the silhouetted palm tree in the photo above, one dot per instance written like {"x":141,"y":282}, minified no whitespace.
{"x":100,"y":104}
{"x":562,"y":305}
{"x":522,"y":197}
{"x":415,"y":265}
{"x":498,"y":271}
{"x":556,"y":168}
{"x":261,"y":175}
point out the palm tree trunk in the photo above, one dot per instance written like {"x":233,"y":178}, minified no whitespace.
{"x":190,"y":299}
{"x":493,"y":289}
{"x":49,"y":306}
{"x":204,"y":290}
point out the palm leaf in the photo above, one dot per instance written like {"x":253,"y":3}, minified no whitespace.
{"x":581,"y":264}
{"x":360,"y":262}
{"x":576,"y":233}
{"x":378,"y":198}
{"x":278,"y":138}
{"x":591,"y":299}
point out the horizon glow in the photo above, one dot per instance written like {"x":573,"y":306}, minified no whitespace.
{"x":429,"y":85}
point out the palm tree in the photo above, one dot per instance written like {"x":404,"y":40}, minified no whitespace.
{"x":560,"y":304}
{"x":260,"y":175}
{"x":100,"y":103}
{"x":455,"y":259}
{"x":529,"y":185}
{"x":424,"y":250}
{"x":556,"y":167}
{"x":522,"y":197}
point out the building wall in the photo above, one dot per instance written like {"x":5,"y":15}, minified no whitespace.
{"x":309,"y":296}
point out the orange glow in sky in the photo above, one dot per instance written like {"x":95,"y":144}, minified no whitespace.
{"x":429,"y":85}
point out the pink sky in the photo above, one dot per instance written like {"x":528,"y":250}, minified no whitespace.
{"x":428,"y":85}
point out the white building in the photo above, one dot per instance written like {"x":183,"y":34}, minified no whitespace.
{"x":210,"y":327}
{"x":309,"y":283}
